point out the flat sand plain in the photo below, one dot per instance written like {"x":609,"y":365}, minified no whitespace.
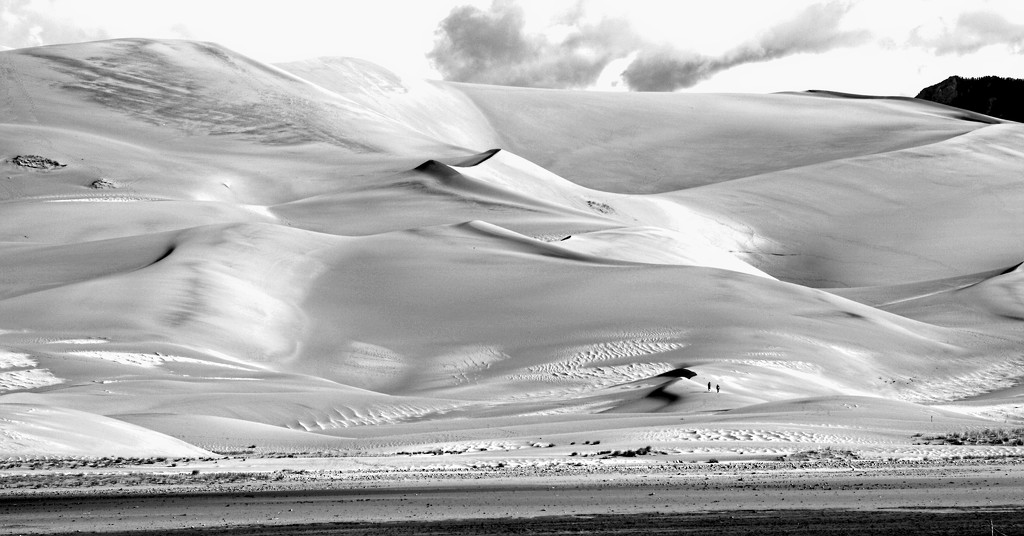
{"x":444,"y":494}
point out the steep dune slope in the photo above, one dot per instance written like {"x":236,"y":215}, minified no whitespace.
{"x":225,"y":251}
{"x":422,"y":323}
{"x":932,"y":212}
{"x":195,"y":89}
{"x":603,"y":323}
{"x":660,"y":142}
{"x":180,"y":121}
{"x":435,"y":109}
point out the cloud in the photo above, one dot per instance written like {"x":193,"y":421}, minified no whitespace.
{"x":493,"y":47}
{"x":814,"y":30}
{"x":668,"y":69}
{"x":182,"y":31}
{"x":23,"y":24}
{"x":972,"y":32}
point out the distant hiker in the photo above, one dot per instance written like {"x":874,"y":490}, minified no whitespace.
{"x":709,"y":387}
{"x":717,"y":388}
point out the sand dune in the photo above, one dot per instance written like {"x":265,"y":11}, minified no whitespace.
{"x":322,"y":256}
{"x":648,"y":143}
{"x":41,"y":430}
{"x":930,"y":212}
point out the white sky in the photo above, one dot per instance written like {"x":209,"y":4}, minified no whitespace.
{"x":398,"y":34}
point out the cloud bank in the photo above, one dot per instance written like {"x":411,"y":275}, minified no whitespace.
{"x":814,"y":30}
{"x":971,"y":32}
{"x":23,"y":25}
{"x":493,"y":47}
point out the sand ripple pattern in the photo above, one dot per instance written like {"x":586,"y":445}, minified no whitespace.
{"x":139,"y":359}
{"x":27,"y":379}
{"x":15,"y":360}
{"x":347,"y":417}
{"x":580,"y":365}
{"x":24,"y":374}
{"x":747,"y":435}
{"x":993,"y":377}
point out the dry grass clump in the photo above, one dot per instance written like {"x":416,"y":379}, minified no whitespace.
{"x":988,"y":436}
{"x":112,"y":480}
{"x":632,"y":453}
{"x":826,"y":454}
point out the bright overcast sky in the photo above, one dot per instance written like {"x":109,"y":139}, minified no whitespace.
{"x":881,"y":47}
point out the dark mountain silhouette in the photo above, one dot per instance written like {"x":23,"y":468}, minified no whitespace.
{"x":990,"y":95}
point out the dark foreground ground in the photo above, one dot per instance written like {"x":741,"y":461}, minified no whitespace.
{"x":1009,"y":522}
{"x":1006,"y":521}
{"x":984,"y":498}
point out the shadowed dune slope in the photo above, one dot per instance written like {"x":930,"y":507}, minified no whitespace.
{"x":930,"y":212}
{"x":660,"y":142}
{"x":323,"y":256}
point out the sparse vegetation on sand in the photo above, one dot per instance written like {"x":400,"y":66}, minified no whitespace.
{"x":988,"y":436}
{"x":103,"y":184}
{"x":823,"y":455}
{"x":36,"y":162}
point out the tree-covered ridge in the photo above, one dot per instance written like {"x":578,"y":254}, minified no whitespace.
{"x":991,"y":95}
